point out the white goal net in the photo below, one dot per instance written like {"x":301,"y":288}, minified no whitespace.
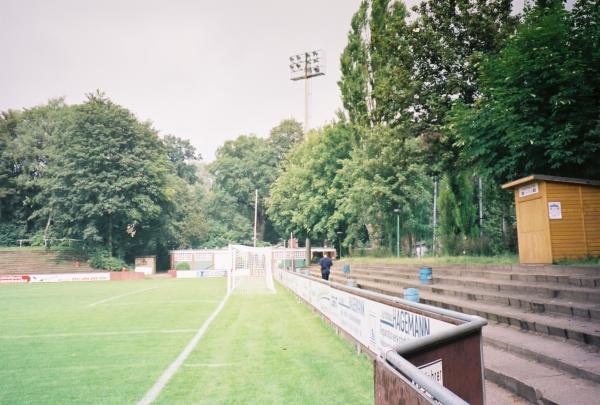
{"x":251,"y":269}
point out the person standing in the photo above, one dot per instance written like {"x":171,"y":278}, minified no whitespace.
{"x":325,"y":263}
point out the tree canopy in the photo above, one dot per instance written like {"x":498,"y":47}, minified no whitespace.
{"x":458,"y":95}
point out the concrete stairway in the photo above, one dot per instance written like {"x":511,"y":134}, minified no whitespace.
{"x":28,"y":261}
{"x":543,"y":337}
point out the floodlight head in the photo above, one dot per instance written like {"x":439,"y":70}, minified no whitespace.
{"x":307,"y":65}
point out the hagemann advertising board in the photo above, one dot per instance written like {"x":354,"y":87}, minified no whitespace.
{"x":375,"y":325}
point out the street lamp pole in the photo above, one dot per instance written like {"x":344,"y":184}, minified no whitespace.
{"x":397,"y":211}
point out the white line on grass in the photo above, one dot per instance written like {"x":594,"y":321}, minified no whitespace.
{"x":119,"y":296}
{"x":153,"y":393}
{"x":166,"y":302}
{"x":210,"y":365}
{"x":90,"y":334}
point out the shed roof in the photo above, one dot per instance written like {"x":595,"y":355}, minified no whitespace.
{"x":556,"y":179}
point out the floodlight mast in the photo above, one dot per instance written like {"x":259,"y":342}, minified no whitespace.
{"x":303,"y":67}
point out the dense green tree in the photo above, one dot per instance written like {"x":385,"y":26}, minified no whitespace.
{"x":303,"y":198}
{"x":539,"y":110}
{"x":458,"y":213}
{"x":109,"y":183}
{"x":225,"y":223}
{"x":33,"y":151}
{"x":181,"y":153}
{"x":376,"y":83}
{"x":8,"y":188}
{"x":448,"y":40}
{"x":241,"y":167}
{"x":383,"y":174}
{"x":284,"y":136}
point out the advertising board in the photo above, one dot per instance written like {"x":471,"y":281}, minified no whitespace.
{"x":57,"y":278}
{"x":15,"y":279}
{"x":375,"y":325}
{"x":201,"y":273}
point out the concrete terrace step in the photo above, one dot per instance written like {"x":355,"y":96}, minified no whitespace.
{"x":578,"y":276}
{"x":47,"y":270}
{"x":41,"y":261}
{"x":528,"y":302}
{"x":537,"y":382}
{"x":573,"y":291}
{"x":506,"y":268}
{"x":496,"y":395}
{"x":577,"y":330}
{"x":548,"y":357}
{"x":578,"y":360}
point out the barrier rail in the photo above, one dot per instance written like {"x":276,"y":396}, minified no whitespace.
{"x":411,"y":343}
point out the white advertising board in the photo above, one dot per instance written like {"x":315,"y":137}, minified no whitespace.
{"x":375,"y":325}
{"x":14,"y":279}
{"x":201,"y":273}
{"x":57,"y":278}
{"x":143,"y":269}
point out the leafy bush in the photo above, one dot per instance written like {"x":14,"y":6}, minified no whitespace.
{"x":370,"y":252}
{"x":37,"y":239}
{"x":183,"y":266}
{"x":100,"y":259}
{"x":10,"y":232}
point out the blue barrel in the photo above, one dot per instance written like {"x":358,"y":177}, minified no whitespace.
{"x":411,"y":294}
{"x":346,"y":268}
{"x":425,"y":275}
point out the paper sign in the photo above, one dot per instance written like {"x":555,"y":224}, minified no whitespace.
{"x":554,"y":210}
{"x":529,"y":190}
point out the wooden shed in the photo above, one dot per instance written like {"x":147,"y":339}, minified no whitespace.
{"x":557,"y":218}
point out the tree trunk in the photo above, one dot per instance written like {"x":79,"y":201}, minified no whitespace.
{"x":373,"y":236}
{"x":47,"y":226}
{"x":260,"y":232}
{"x":110,"y":246}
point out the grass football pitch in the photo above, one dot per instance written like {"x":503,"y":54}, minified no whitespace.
{"x":109,"y":342}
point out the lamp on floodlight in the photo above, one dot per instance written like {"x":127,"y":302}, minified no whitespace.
{"x":304,"y":66}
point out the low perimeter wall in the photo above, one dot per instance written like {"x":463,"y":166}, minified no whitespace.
{"x":421,"y":341}
{"x":62,"y":277}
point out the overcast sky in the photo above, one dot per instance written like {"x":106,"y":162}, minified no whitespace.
{"x":207,"y":71}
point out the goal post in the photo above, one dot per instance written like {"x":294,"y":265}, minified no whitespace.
{"x":249,"y":265}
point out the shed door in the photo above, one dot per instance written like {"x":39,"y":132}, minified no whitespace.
{"x":534,"y":238}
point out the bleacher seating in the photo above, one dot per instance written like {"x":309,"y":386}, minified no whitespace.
{"x":544,"y":321}
{"x":33,"y":261}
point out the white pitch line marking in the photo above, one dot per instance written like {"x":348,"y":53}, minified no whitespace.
{"x":210,"y":365}
{"x":153,"y":393}
{"x":90,"y":334}
{"x":167,"y":302}
{"x":120,"y":296}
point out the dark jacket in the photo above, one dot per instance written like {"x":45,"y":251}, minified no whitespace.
{"x":325,"y":264}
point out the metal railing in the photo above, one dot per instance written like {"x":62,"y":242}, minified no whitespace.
{"x":394,"y":356}
{"x":47,"y":240}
